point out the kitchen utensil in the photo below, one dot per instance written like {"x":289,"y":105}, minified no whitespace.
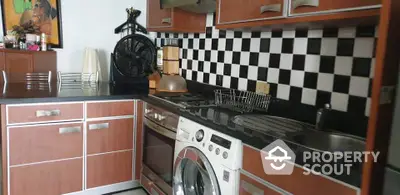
{"x":172,"y":83}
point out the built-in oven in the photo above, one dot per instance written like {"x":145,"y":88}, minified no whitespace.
{"x":158,"y":147}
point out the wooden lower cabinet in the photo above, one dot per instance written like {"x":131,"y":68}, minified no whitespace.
{"x":53,"y":178}
{"x":110,"y":109}
{"x":296,"y":183}
{"x":32,"y":144}
{"x":109,"y":168}
{"x":109,"y":135}
{"x":249,"y":186}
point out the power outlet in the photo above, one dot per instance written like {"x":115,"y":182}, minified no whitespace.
{"x":262,"y":87}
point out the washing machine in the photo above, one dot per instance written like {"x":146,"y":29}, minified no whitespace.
{"x":206,"y":162}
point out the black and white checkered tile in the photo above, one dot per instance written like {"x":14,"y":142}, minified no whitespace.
{"x":314,"y":67}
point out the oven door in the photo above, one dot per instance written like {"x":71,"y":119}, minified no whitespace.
{"x":158,"y":154}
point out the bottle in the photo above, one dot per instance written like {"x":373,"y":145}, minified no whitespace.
{"x":44,"y":42}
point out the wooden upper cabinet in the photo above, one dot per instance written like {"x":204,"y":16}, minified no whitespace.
{"x":277,"y":14}
{"x":159,"y":18}
{"x":173,"y":19}
{"x":237,"y":11}
{"x":19,"y":63}
{"x":322,"y":6}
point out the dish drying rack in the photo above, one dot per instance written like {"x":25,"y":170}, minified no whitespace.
{"x":78,"y":80}
{"x":241,"y":101}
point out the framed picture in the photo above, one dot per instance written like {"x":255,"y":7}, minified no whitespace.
{"x":42,"y":15}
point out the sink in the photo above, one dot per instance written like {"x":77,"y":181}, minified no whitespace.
{"x":301,"y":133}
{"x":330,"y":142}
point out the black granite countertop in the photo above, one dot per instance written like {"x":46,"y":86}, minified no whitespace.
{"x":220,"y":119}
{"x":17,"y":93}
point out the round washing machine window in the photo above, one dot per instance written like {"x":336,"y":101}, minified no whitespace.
{"x":194,"y":174}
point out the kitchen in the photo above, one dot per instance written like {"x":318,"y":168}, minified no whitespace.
{"x":305,"y":68}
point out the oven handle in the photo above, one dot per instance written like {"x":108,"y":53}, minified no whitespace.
{"x":159,"y":129}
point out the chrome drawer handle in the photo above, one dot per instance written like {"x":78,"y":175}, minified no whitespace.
{"x":99,"y":126}
{"x":66,"y":130}
{"x":299,"y":3}
{"x":271,"y":8}
{"x":46,"y":113}
{"x":250,"y":188}
{"x":166,"y":20}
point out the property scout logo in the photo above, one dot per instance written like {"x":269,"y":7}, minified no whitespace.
{"x":279,"y":159}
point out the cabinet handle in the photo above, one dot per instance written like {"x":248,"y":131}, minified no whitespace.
{"x":166,"y":20}
{"x":250,"y":188}
{"x":99,"y":126}
{"x":299,"y":3}
{"x":271,"y":8}
{"x":66,"y":130}
{"x":46,"y":113}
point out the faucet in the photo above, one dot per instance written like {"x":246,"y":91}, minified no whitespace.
{"x":321,"y":117}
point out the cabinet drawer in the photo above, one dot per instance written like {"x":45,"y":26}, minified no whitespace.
{"x":109,"y":135}
{"x":45,"y":142}
{"x":48,"y":178}
{"x":315,"y":6}
{"x":250,"y":186}
{"x":109,"y":168}
{"x":237,"y":11}
{"x":146,"y":183}
{"x":109,"y":109}
{"x":44,"y":113}
{"x":150,"y":186}
{"x":296,"y":183}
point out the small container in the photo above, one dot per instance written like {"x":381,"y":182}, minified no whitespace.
{"x":171,"y":57}
{"x":44,"y":42}
{"x":160,"y":58}
{"x":171,"y":49}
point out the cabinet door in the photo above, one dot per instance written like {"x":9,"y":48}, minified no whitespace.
{"x":40,"y":143}
{"x":19,"y":63}
{"x":109,"y":136}
{"x":237,"y":11}
{"x":157,"y":17}
{"x":249,"y":186}
{"x":323,"y":6}
{"x":109,"y":168}
{"x":52,"y":178}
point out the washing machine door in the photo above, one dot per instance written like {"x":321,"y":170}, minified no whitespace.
{"x":194,"y":174}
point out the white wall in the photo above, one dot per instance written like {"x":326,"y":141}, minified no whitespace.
{"x":91,"y":23}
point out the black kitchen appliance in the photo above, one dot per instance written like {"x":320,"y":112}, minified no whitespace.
{"x":134,"y":56}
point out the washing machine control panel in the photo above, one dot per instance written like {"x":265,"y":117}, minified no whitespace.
{"x":215,"y":145}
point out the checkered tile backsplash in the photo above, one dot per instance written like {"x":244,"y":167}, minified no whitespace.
{"x":313,"y":67}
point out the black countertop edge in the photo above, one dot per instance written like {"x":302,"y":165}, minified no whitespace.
{"x":68,"y":99}
{"x":18,"y":93}
{"x":254,"y":139}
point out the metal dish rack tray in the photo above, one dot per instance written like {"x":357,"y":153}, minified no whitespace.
{"x":241,"y":101}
